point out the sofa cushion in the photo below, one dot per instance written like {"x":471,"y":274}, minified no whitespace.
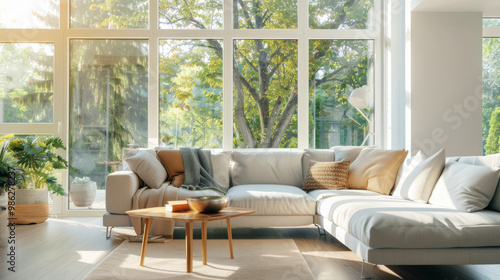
{"x":404,"y":170}
{"x":327,"y":175}
{"x":128,"y":152}
{"x":375,"y":170}
{"x":220,"y":165}
{"x":319,"y":155}
{"x":268,"y":199}
{"x":322,"y":194}
{"x":420,"y":182}
{"x":347,"y":153}
{"x":276,"y":167}
{"x":148,"y":168}
{"x":465,"y":187}
{"x":390,"y":222}
{"x":492,"y":161}
{"x":172,"y":162}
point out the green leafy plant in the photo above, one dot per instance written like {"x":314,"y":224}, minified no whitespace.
{"x":10,"y":174}
{"x":37,"y":158}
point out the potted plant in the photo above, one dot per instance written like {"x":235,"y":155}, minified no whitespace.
{"x":37,"y":158}
{"x":82,"y":191}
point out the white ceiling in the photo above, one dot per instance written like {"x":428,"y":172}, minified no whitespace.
{"x":490,"y":8}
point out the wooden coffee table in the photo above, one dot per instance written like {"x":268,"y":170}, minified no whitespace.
{"x":189,"y":217}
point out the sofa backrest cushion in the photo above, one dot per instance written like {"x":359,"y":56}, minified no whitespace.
{"x":375,"y":170}
{"x":267,"y":167}
{"x":491,"y":161}
{"x":318,"y":155}
{"x":220,"y":164}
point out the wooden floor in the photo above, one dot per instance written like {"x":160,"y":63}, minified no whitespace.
{"x":69,"y":248}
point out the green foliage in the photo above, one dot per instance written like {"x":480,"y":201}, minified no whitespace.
{"x":493,"y":141}
{"x":339,"y":14}
{"x":491,"y":87}
{"x":109,"y":14}
{"x":37,"y":158}
{"x":10,"y":173}
{"x":27,"y":89}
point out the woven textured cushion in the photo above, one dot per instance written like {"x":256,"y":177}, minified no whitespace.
{"x":148,"y":168}
{"x":375,"y":170}
{"x":173,"y":164}
{"x":327,"y":175}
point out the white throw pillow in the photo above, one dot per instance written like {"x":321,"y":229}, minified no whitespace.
{"x":465,"y":187}
{"x":404,"y":170}
{"x":419,"y":183}
{"x":148,"y":168}
{"x":127,"y":152}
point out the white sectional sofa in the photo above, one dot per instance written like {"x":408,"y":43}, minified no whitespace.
{"x":380,"y":229}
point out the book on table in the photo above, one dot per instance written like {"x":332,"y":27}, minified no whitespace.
{"x":177,"y":206}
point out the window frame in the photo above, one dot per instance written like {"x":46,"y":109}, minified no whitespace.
{"x":61,"y":39}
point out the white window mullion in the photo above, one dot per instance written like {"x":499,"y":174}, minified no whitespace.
{"x":227,"y":69}
{"x":153,"y":73}
{"x":303,"y":75}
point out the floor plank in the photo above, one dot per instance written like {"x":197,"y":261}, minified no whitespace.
{"x":69,"y":248}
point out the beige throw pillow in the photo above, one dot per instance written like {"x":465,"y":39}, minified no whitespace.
{"x":148,"y":168}
{"x":375,"y":170}
{"x":327,"y":175}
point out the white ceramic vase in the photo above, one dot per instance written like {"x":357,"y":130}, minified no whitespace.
{"x":83,"y":195}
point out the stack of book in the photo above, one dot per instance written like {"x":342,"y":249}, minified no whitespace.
{"x":177,"y":206}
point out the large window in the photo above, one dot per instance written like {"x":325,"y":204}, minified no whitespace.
{"x":108,"y":104}
{"x":26,"y":83}
{"x":226,"y":74}
{"x":491,"y":90}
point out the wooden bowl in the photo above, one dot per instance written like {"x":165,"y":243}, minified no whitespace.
{"x":207,"y":204}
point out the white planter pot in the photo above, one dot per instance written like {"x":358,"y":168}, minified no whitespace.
{"x":83,"y":195}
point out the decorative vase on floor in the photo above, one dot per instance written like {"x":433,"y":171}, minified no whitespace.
{"x":32,"y":206}
{"x":83,"y":195}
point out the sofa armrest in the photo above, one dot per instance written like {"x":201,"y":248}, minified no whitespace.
{"x":120,"y":188}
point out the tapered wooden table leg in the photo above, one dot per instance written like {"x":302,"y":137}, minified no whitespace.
{"x":229,"y":236}
{"x":189,"y":246}
{"x":204,"y":241}
{"x":145,"y":240}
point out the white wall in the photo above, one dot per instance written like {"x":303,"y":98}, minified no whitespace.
{"x":446,"y":82}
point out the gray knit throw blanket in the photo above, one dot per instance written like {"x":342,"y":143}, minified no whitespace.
{"x":198,"y":170}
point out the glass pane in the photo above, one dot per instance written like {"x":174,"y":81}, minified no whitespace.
{"x":105,"y":14}
{"x":29,"y":14}
{"x":191,"y":14}
{"x":491,"y":22}
{"x":108,"y":106}
{"x":265,"y":94}
{"x":491,"y":95}
{"x":191,"y":93}
{"x":336,"y":68}
{"x":26,"y":83}
{"x":340,"y":14}
{"x":265,"y":14}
